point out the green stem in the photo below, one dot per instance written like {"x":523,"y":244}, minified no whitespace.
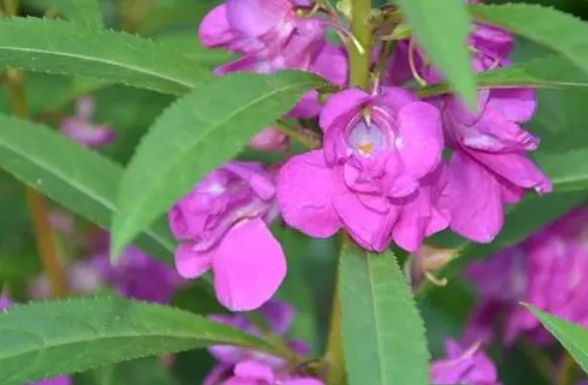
{"x":307,"y":138}
{"x":335,"y":372}
{"x":37,"y":205}
{"x":566,"y":370}
{"x":359,"y":57}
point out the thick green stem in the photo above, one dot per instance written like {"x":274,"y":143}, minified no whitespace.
{"x":566,"y":370}
{"x":360,"y":53}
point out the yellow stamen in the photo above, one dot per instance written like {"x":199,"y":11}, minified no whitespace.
{"x":366,"y":148}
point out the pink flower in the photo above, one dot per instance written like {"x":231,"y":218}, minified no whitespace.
{"x":274,"y":36}
{"x":137,"y":275}
{"x":378,"y":176}
{"x":548,"y":270}
{"x":222,"y":225}
{"x":82,"y":130}
{"x":270,"y":139}
{"x":463,"y":366}
{"x":489,"y":167}
{"x":238,"y":366}
{"x":270,"y":34}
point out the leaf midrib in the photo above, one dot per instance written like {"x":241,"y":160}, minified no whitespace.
{"x":376,"y":319}
{"x":94,"y":59}
{"x":158,"y":181}
{"x":80,"y":187}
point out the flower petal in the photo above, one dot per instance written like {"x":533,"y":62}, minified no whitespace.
{"x":420,"y":141}
{"x":304,"y":381}
{"x":256,"y":17}
{"x":248,"y":266}
{"x":415,"y":219}
{"x":305,"y":188}
{"x":192,"y":264}
{"x":369,"y":228}
{"x":515,"y":104}
{"x":253,"y":370}
{"x":252,"y":172}
{"x":214,"y":30}
{"x":341,"y":103}
{"x":473,"y":197}
{"x":279,"y":316}
{"x":516,"y":168}
{"x":397,"y":98}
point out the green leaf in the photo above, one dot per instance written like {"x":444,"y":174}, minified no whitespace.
{"x":194,"y":136}
{"x":572,"y":336}
{"x":547,"y":72}
{"x":84,"y":333}
{"x":84,"y":12}
{"x":60,"y":47}
{"x":570,"y":169}
{"x":189,"y":45}
{"x":559,"y":31}
{"x":383,"y":333}
{"x":442,"y":28}
{"x":75,"y":177}
{"x":144,"y":371}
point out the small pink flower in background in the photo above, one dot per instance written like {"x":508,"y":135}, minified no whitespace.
{"x":379,"y":175}
{"x":548,"y":270}
{"x":270,"y":139}
{"x":238,"y":366}
{"x":222,"y":225}
{"x":464,"y":366}
{"x":136,"y":276}
{"x":270,"y":34}
{"x":5,"y":304}
{"x":81,"y":129}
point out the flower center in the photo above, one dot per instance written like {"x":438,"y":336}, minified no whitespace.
{"x":366,"y":139}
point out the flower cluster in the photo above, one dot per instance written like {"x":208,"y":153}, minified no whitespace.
{"x":238,"y":366}
{"x":380,"y":173}
{"x":548,"y":270}
{"x":222,"y":225}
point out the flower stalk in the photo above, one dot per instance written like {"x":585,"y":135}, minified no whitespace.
{"x":362,"y":30}
{"x":37,"y":205}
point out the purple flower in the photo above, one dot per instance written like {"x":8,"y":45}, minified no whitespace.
{"x":270,"y":34}
{"x":270,"y":139}
{"x":378,"y":174}
{"x":238,"y":366}
{"x":135,"y":276}
{"x":81,"y":129}
{"x":222,"y":225}
{"x":138,"y":276}
{"x":548,"y":270}
{"x":489,"y":166}
{"x":5,"y":303}
{"x":464,"y":366}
